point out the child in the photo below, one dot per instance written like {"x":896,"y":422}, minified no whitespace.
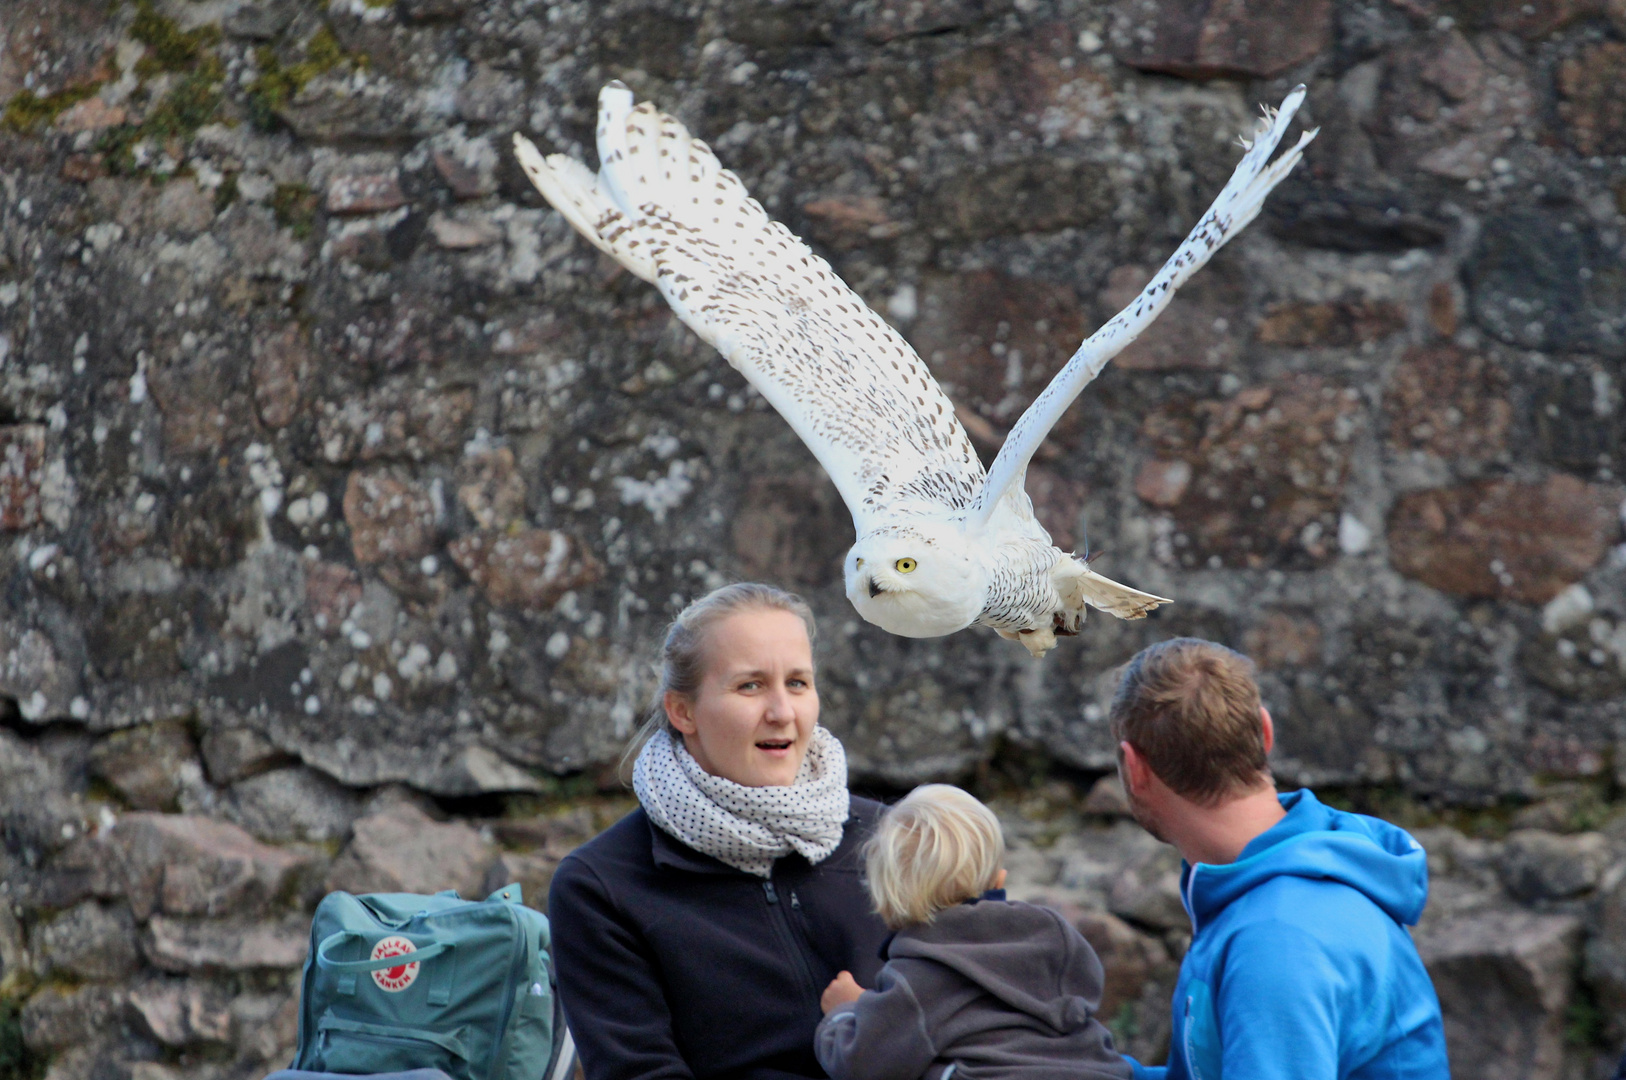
{"x":974,"y":985}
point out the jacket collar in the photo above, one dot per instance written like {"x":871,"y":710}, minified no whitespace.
{"x":674,"y":854}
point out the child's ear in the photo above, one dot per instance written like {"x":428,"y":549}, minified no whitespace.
{"x":999,"y":879}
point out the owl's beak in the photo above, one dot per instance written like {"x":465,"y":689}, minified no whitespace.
{"x":874,"y":589}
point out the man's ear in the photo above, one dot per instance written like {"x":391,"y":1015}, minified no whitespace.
{"x":1267,"y":730}
{"x":679,"y":711}
{"x":1133,"y":770}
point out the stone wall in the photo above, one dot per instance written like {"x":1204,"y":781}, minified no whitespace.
{"x":346,"y":492}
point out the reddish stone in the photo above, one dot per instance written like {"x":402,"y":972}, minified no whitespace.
{"x":792,"y":530}
{"x":331,"y":590}
{"x":209,"y":945}
{"x":91,"y":114}
{"x":494,"y":494}
{"x":390,"y":516}
{"x":22,"y":458}
{"x":1594,"y":103}
{"x":1268,"y":467}
{"x":531,"y":568}
{"x":281,"y":362}
{"x":402,"y":849}
{"x":61,"y":43}
{"x":1503,"y":538}
{"x":1442,"y":309}
{"x":1449,"y":403}
{"x":465,"y":182}
{"x":370,"y":193}
{"x":1338,"y":324}
{"x":1282,"y":639}
{"x":1058,"y":500}
{"x":184,"y":864}
{"x":1163,"y":483}
{"x":395,"y":422}
{"x":1449,"y":105}
{"x":994,"y":341}
{"x":83,"y":168}
{"x":848,"y":222}
{"x":889,"y":20}
{"x":1195,"y":331}
{"x":200,"y":400}
{"x":1532,"y":19}
{"x":1204,"y":38}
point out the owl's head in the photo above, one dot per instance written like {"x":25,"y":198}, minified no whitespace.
{"x":923,"y":579}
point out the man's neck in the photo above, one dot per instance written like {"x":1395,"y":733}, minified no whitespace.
{"x":1218,"y":834}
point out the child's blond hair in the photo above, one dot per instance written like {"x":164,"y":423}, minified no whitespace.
{"x":936,"y":847}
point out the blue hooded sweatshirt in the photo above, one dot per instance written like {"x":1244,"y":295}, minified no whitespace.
{"x":1300,"y":963}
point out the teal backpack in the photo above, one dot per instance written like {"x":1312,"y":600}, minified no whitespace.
{"x":395,"y":981}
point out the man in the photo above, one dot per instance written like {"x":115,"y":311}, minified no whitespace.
{"x":1300,"y":963}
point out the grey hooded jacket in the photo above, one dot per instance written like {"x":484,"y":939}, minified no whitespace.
{"x":998,"y":990}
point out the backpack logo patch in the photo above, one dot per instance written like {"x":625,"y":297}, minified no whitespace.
{"x":395,"y":979}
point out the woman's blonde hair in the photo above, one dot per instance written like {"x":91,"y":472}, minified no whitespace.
{"x":683,"y":654}
{"x":935,"y":848}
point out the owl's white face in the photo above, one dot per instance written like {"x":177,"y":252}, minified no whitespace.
{"x":916,"y":580}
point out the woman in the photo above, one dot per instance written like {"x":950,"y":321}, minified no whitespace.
{"x":695,"y":936}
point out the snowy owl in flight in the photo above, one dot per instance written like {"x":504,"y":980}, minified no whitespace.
{"x":942,"y":545}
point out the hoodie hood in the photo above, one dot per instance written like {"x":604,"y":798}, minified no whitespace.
{"x":1016,"y":952}
{"x":1380,"y":860}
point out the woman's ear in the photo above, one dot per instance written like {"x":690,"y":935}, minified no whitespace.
{"x":679,"y":711}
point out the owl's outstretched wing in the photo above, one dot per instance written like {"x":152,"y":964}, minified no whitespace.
{"x":1238,"y":204}
{"x":848,"y":384}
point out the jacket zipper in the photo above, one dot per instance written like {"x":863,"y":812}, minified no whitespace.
{"x":788,"y":934}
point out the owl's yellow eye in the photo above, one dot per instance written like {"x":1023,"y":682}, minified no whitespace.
{"x":904,"y":566}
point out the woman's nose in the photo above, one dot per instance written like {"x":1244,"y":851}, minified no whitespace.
{"x":779,"y":706}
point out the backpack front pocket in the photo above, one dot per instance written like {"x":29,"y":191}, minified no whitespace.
{"x":356,"y":1046}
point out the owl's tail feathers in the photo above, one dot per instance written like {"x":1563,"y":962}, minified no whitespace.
{"x":572,"y":189}
{"x":1079,"y":585}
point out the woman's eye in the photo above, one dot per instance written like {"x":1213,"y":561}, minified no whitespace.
{"x":751,"y":684}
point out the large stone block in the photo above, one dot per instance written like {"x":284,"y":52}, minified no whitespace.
{"x":530,"y":568}
{"x":1204,"y":38}
{"x":1448,"y":402}
{"x":226,"y":945}
{"x":1592,"y":102}
{"x":1538,"y":865}
{"x":89,"y":941}
{"x":390,"y":516}
{"x":293,"y":804}
{"x":183,"y":864}
{"x":1504,"y":538}
{"x":1504,"y":978}
{"x":402,"y":849}
{"x":1450,"y":104}
{"x":148,"y":765}
{"x":58,"y":1017}
{"x":1541,"y":280}
{"x":1266,"y":476}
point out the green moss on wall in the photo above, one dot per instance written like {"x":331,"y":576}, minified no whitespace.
{"x":27,"y":112}
{"x":279,"y":83}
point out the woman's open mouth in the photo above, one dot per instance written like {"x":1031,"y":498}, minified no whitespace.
{"x":776,"y":746}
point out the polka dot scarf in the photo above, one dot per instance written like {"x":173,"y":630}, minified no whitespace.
{"x":745,"y":827}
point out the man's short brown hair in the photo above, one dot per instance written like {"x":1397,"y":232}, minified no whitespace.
{"x":1191,"y":708}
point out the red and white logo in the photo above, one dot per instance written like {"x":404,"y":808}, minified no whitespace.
{"x":394,"y":980}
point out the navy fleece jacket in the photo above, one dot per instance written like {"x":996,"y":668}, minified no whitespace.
{"x":1300,"y":963}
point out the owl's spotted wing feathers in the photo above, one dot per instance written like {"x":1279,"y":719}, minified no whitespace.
{"x":1238,"y":204}
{"x":848,"y":384}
